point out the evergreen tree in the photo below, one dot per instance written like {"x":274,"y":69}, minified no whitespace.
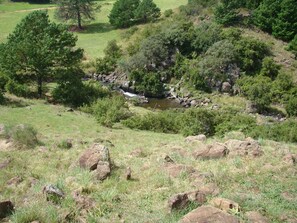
{"x":226,"y":12}
{"x":122,"y":14}
{"x":76,"y":11}
{"x":285,"y":26}
{"x":38,"y":50}
{"x":293,"y":46}
{"x":147,"y":11}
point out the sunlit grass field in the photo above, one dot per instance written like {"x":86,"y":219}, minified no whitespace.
{"x":97,"y":34}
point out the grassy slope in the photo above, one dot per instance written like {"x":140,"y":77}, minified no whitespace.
{"x":257,"y":184}
{"x":93,"y":40}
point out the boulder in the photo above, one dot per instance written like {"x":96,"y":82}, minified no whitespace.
{"x":103,"y":170}
{"x":242,"y":148}
{"x":53,"y":193}
{"x":213,"y":151}
{"x":197,"y":196}
{"x":225,"y":204}
{"x":175,"y":170}
{"x":290,"y":159}
{"x":208,"y":214}
{"x":92,"y":156}
{"x":197,"y":138}
{"x":178,"y":202}
{"x":226,"y":87}
{"x":256,"y":217}
{"x":6,"y":208}
{"x":168,"y":159}
{"x":128,"y":174}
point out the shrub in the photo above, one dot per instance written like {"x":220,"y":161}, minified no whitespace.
{"x":291,"y":106}
{"x":226,"y":12}
{"x":293,"y":46}
{"x":281,"y":87}
{"x":108,"y":111}
{"x":270,"y":68}
{"x":22,"y":135}
{"x":20,"y":90}
{"x":147,"y":11}
{"x":168,"y":12}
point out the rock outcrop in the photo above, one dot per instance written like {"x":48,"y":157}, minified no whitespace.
{"x":213,"y":151}
{"x":247,"y":147}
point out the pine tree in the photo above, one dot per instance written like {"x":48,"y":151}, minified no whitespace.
{"x":147,"y":11}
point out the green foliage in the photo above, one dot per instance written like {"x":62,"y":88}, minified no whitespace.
{"x":258,"y":90}
{"x":108,"y":111}
{"x":285,"y":26}
{"x":147,"y":83}
{"x":282,"y":87}
{"x":226,"y":12}
{"x":205,"y":35}
{"x":53,"y":52}
{"x":76,"y":11}
{"x":20,"y":90}
{"x":269,"y":68}
{"x":23,"y":135}
{"x":251,"y":52}
{"x":65,"y":144}
{"x":282,"y":132}
{"x":293,"y":46}
{"x":168,"y":12}
{"x":291,"y":106}
{"x":122,"y":14}
{"x":147,"y":11}
{"x":194,"y":7}
{"x":265,"y":15}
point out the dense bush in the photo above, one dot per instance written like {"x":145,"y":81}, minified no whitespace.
{"x":109,"y":110}
{"x":20,"y":90}
{"x":147,"y":11}
{"x":23,"y":135}
{"x":293,"y":46}
{"x":226,"y":12}
{"x":291,"y":106}
{"x":270,"y":68}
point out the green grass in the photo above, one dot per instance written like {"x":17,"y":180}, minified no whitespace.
{"x":255,"y":183}
{"x":93,"y":40}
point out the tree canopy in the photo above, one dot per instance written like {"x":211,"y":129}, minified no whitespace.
{"x":39,"y":50}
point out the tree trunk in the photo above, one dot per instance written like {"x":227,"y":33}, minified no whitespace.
{"x":39,"y":84}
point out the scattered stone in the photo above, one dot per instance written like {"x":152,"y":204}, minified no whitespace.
{"x":5,"y":163}
{"x":32,"y":181}
{"x":69,"y":110}
{"x":103,"y":170}
{"x":210,"y":189}
{"x":197,"y":196}
{"x":178,"y":202}
{"x":168,"y":159}
{"x":15,"y":181}
{"x":175,"y":170}
{"x":82,"y":201}
{"x":128,"y":173}
{"x":241,"y":148}
{"x":208,"y":214}
{"x":213,"y":151}
{"x":6,"y":208}
{"x":52,"y":192}
{"x":290,"y":159}
{"x":226,"y":87}
{"x":256,"y":217}
{"x":225,"y":204}
{"x":198,"y":138}
{"x":137,"y":153}
{"x":91,"y":157}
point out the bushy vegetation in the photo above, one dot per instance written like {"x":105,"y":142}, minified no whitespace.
{"x":24,"y":136}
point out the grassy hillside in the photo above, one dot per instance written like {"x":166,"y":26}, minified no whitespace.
{"x":93,"y":39}
{"x":260,"y":184}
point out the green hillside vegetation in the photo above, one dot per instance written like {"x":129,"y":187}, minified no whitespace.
{"x":74,"y":149}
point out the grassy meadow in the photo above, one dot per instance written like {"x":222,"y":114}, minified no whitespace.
{"x":97,"y":34}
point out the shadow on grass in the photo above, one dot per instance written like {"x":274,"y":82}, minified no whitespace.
{"x":97,"y":28}
{"x":16,"y":103}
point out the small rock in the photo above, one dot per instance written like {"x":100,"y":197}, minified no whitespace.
{"x":290,"y":159}
{"x":6,"y":208}
{"x":175,"y":170}
{"x":225,"y":204}
{"x":103,"y":170}
{"x":197,"y":196}
{"x":213,"y":151}
{"x":69,"y":110}
{"x":137,"y":153}
{"x":168,"y":159}
{"x":15,"y":181}
{"x":197,"y":138}
{"x":208,"y":214}
{"x":178,"y":202}
{"x":82,"y":201}
{"x":5,"y":163}
{"x":256,"y":217}
{"x":226,"y":87}
{"x":242,"y":148}
{"x":128,"y":173}
{"x":52,"y":192}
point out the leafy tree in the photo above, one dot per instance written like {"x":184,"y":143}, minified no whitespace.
{"x":258,"y":90}
{"x":265,"y":15}
{"x":293,"y":46}
{"x":226,"y":12}
{"x":285,"y":26}
{"x":38,"y":50}
{"x":146,"y":11}
{"x":76,"y":11}
{"x":122,"y":14}
{"x":291,"y":106}
{"x":270,"y":68}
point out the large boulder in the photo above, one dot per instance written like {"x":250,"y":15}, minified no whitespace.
{"x":213,"y":151}
{"x":92,"y":156}
{"x":208,"y":214}
{"x":6,"y":208}
{"x":242,"y":148}
{"x":103,"y":170}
